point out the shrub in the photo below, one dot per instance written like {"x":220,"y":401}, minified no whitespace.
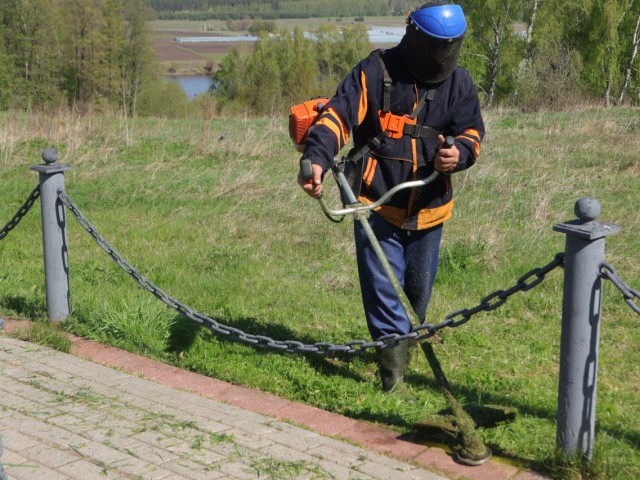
{"x":163,"y":99}
{"x":551,"y":81}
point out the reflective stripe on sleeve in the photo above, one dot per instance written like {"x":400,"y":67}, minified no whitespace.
{"x":364,"y":104}
{"x":331,"y":120}
{"x":472,"y":136}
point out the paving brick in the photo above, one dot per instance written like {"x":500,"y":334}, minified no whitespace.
{"x":50,"y":456}
{"x":383,"y":472}
{"x":141,"y":469}
{"x":85,"y":470}
{"x":31,"y":471}
{"x":337,"y":470}
{"x":185,"y":469}
{"x":12,"y":458}
{"x":67,"y":417}
{"x":16,"y":440}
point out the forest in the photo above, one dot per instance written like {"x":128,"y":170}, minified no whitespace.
{"x":528,"y":54}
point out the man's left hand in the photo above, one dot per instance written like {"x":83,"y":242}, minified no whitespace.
{"x":446,"y":158}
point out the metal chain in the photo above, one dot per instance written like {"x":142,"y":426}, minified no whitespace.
{"x":495,"y":299}
{"x":21,"y":213}
{"x":628,"y":293}
{"x":351,"y":348}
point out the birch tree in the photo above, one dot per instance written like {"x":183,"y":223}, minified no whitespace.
{"x":630,"y":67}
{"x":492,"y":22}
{"x":599,"y":46}
{"x":526,"y":54}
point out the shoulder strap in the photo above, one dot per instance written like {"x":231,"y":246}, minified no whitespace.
{"x":386,"y":82}
{"x":428,"y":95}
{"x":421,"y":131}
{"x":414,"y":131}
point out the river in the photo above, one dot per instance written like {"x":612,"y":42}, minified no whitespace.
{"x":193,"y":85}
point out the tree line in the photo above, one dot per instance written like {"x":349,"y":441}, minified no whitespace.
{"x":83,"y":53}
{"x":566,"y":51}
{"x":528,"y":54}
{"x":285,"y":68}
{"x":272,"y":9}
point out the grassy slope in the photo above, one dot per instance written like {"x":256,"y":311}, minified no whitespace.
{"x":210,"y":212}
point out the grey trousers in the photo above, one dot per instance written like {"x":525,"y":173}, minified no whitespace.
{"x":3,"y":475}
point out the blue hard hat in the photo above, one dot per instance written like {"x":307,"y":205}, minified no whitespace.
{"x":440,"y":21}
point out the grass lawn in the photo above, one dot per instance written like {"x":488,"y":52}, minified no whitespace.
{"x":209,"y":211}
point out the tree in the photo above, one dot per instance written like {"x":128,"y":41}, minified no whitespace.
{"x":492,"y":22}
{"x":629,"y":68}
{"x":601,"y":52}
{"x":302,"y":79}
{"x":338,"y":52}
{"x":6,"y":76}
{"x":285,"y":69}
{"x":30,"y":33}
{"x":550,"y":79}
{"x":231,"y":73}
{"x":262,"y":88}
{"x":137,"y":57}
{"x":526,"y":54}
{"x":87,"y":69}
{"x":114,"y":43}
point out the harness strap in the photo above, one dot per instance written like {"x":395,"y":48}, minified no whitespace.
{"x":386,"y":82}
{"x":373,"y":144}
{"x":413,"y":130}
{"x":420,"y":131}
{"x":429,"y":95}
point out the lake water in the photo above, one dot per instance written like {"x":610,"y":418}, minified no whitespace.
{"x":193,"y":85}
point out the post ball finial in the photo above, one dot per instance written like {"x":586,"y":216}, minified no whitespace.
{"x":50,"y":155}
{"x":587,"y":209}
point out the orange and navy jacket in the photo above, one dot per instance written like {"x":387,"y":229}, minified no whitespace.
{"x":354,"y":109}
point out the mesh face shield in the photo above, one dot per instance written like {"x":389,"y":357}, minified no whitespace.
{"x":432,"y":42}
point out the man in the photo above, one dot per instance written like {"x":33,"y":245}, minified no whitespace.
{"x":399,"y":104}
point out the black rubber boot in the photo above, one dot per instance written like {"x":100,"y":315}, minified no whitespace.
{"x":392,"y":363}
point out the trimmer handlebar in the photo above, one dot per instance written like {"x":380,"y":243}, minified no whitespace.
{"x":449,"y":141}
{"x":306,"y":169}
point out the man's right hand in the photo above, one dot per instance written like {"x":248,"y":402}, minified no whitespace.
{"x":313,"y":186}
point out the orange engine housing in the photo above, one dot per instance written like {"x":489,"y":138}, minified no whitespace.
{"x":302,"y":118}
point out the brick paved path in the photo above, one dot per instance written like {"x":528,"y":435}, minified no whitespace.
{"x":65,"y":417}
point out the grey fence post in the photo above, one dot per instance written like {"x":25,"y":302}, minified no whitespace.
{"x":54,"y":235}
{"x":580,"y":337}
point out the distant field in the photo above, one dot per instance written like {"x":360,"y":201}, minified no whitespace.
{"x":192,"y":58}
{"x":189,"y":58}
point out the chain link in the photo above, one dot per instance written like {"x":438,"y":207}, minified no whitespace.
{"x":628,"y":293}
{"x":13,"y":223}
{"x":20,"y":213}
{"x":351,"y":348}
{"x":493,"y":300}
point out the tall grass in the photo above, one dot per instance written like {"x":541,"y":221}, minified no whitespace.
{"x":208,"y":209}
